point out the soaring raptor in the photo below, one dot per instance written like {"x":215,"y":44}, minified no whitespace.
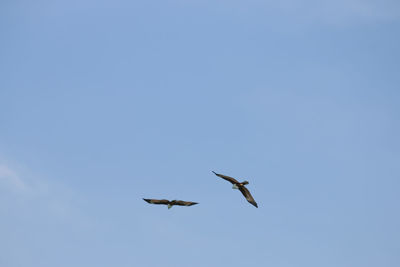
{"x":240,"y":186}
{"x":169,"y":203}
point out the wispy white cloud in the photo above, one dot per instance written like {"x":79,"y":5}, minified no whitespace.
{"x":26,"y":193}
{"x":9,"y":178}
{"x":39,"y":212}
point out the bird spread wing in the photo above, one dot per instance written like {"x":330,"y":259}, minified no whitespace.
{"x":157,"y":201}
{"x":248,"y":196}
{"x":229,"y":179}
{"x":185,"y":203}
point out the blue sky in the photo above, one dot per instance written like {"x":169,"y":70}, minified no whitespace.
{"x":103,"y":103}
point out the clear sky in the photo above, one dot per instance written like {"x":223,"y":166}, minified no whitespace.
{"x":103,"y":103}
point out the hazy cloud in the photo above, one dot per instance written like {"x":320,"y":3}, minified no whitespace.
{"x":9,"y":178}
{"x":25,"y":193}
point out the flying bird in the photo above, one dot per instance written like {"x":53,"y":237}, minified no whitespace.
{"x":240,"y":186}
{"x":169,"y":203}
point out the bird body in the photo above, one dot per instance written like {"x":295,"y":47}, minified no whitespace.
{"x":240,"y":186}
{"x":171,"y":203}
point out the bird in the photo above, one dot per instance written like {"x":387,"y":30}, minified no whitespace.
{"x":240,"y":186}
{"x":170,"y":203}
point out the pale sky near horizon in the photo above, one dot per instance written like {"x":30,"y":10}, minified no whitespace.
{"x":103,"y":103}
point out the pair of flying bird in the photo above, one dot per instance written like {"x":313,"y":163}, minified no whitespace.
{"x":236,"y":185}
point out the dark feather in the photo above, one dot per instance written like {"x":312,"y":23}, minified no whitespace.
{"x":228,"y":178}
{"x":184,"y":203}
{"x":157,"y":201}
{"x":247,"y":195}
